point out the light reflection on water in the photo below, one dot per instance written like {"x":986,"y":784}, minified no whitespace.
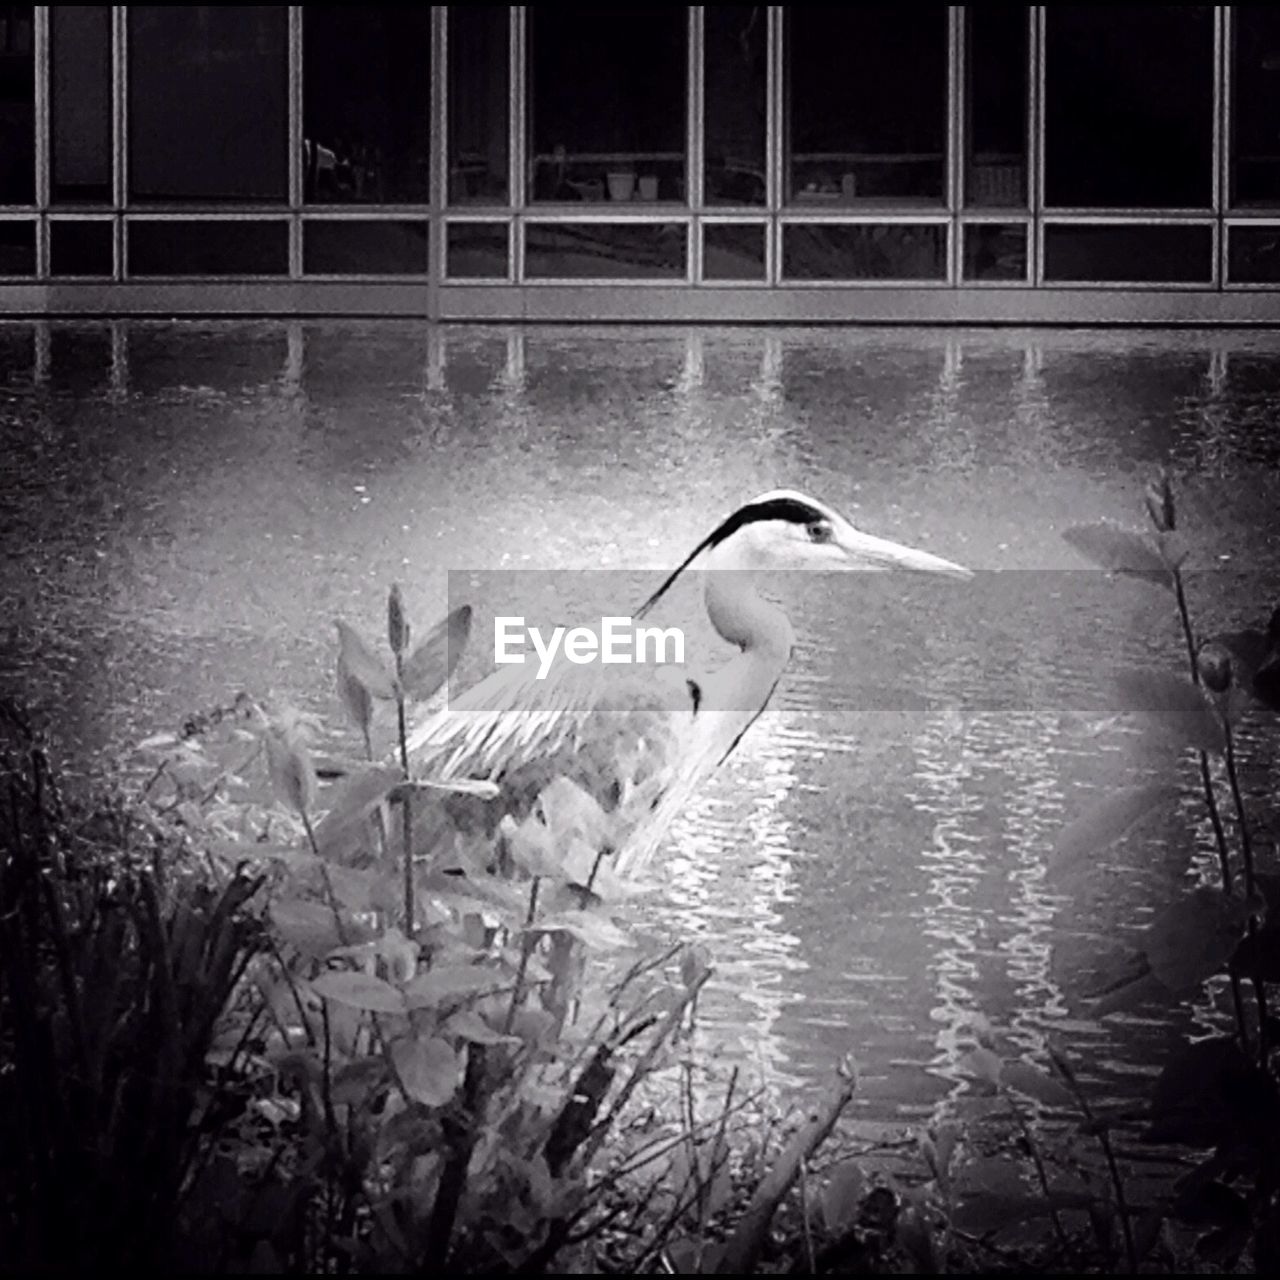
{"x":192,"y":504}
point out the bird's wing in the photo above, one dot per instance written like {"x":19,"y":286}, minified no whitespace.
{"x":617,"y":735}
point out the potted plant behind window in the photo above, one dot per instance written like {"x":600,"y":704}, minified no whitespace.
{"x":621,"y":184}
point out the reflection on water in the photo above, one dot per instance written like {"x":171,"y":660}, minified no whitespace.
{"x":188,"y":506}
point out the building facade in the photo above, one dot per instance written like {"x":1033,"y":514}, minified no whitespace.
{"x":1057,"y":164}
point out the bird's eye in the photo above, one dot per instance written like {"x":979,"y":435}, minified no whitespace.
{"x":819,"y":531}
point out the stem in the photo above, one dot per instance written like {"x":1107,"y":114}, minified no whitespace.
{"x":1042,"y":1175}
{"x":410,"y":907}
{"x":1250,"y":885}
{"x":1206,"y":778}
{"x":527,"y":944}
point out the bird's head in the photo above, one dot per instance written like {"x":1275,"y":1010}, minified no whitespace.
{"x":784,"y":529}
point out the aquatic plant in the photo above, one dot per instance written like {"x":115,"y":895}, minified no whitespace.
{"x":1217,"y":1093}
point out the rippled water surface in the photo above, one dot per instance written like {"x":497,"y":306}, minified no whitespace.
{"x":187,"y":506}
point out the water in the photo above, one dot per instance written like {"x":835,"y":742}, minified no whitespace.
{"x":187,"y":506}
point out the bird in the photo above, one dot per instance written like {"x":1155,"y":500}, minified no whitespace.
{"x":641,"y":744}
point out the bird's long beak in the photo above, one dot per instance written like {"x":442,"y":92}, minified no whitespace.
{"x":868,"y":552}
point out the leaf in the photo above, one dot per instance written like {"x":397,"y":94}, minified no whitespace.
{"x":842,"y":1195}
{"x":467,"y":1024}
{"x":479,"y":787}
{"x":291,"y":771}
{"x":1143,"y":989}
{"x":570,"y":812}
{"x":434,"y":660}
{"x":1176,"y":705}
{"x":1259,"y":957}
{"x":308,"y":926}
{"x":352,"y":801}
{"x":1034,"y":1083}
{"x":359,"y":991}
{"x":983,"y":1065}
{"x":1119,"y":550}
{"x":588,"y":927}
{"x":361,"y":664}
{"x":355,"y":697}
{"x":429,"y":1068}
{"x":354,"y":1083}
{"x":443,"y":983}
{"x":1109,"y":819}
{"x":1202,"y":1093}
{"x":1191,"y":939}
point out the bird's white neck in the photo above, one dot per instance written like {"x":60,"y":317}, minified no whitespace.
{"x":739,"y":613}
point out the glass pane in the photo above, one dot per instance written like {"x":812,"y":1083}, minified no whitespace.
{"x":995,"y":251}
{"x":733,"y":251}
{"x":864,"y":252}
{"x":605,"y":251}
{"x":607,"y":102}
{"x":1129,"y":106}
{"x":996,"y":160}
{"x":366,"y":103}
{"x":208,"y":87}
{"x":867,"y":99}
{"x":479,"y":108}
{"x":17,"y":248}
{"x":1253,"y":255}
{"x":17,"y":107}
{"x":80,"y":102}
{"x":80,"y":248}
{"x":477,"y":251}
{"x":365,"y":248}
{"x":1129,"y":254}
{"x":208,"y":248}
{"x":735,"y":85}
{"x":1255,"y":107}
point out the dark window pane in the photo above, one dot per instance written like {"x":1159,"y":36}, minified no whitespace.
{"x":1129,"y":254}
{"x":17,"y":106}
{"x":607,"y":102}
{"x":605,"y":251}
{"x":207,"y":91}
{"x":366,"y":94}
{"x":80,"y":106}
{"x":867,"y":93}
{"x":80,"y":248}
{"x":733,"y":251}
{"x":1129,"y":106}
{"x":17,"y":248}
{"x":208,"y":248}
{"x":994,"y":251}
{"x":477,"y":251}
{"x":1253,"y":255}
{"x":996,"y":160}
{"x":478,"y":104}
{"x":864,"y":252}
{"x":364,"y":248}
{"x":736,"y":76}
{"x":1255,"y":107}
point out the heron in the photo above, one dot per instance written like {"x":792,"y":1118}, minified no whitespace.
{"x":643,"y":743}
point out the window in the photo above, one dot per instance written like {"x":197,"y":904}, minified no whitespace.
{"x":81,"y":248}
{"x":17,"y":109}
{"x":1123,"y":254}
{"x":80,"y":103}
{"x":607,"y":103}
{"x":734,"y":94}
{"x":208,"y":248}
{"x":366,"y":95}
{"x":996,"y":156}
{"x":864,"y":251}
{"x":605,"y":251}
{"x":477,"y":250}
{"x":733,"y":251}
{"x":360,"y":248}
{"x":207,"y":91}
{"x":867,"y":104}
{"x":1255,"y":107}
{"x":1129,"y":106}
{"x":478,"y":107}
{"x":995,"y":251}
